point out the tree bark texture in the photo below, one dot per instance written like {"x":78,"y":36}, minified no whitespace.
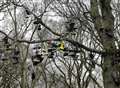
{"x":103,"y":20}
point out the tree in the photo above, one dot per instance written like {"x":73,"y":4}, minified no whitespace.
{"x":104,"y":25}
{"x":103,"y":21}
{"x":89,"y":32}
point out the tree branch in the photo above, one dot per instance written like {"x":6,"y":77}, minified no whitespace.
{"x":40,"y":19}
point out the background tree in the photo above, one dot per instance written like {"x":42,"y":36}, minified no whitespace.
{"x":88,"y":30}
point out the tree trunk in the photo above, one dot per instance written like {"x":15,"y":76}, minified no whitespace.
{"x":104,"y":23}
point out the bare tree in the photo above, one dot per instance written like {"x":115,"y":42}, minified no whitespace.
{"x":78,"y":50}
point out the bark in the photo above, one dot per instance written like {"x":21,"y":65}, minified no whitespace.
{"x":104,"y":23}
